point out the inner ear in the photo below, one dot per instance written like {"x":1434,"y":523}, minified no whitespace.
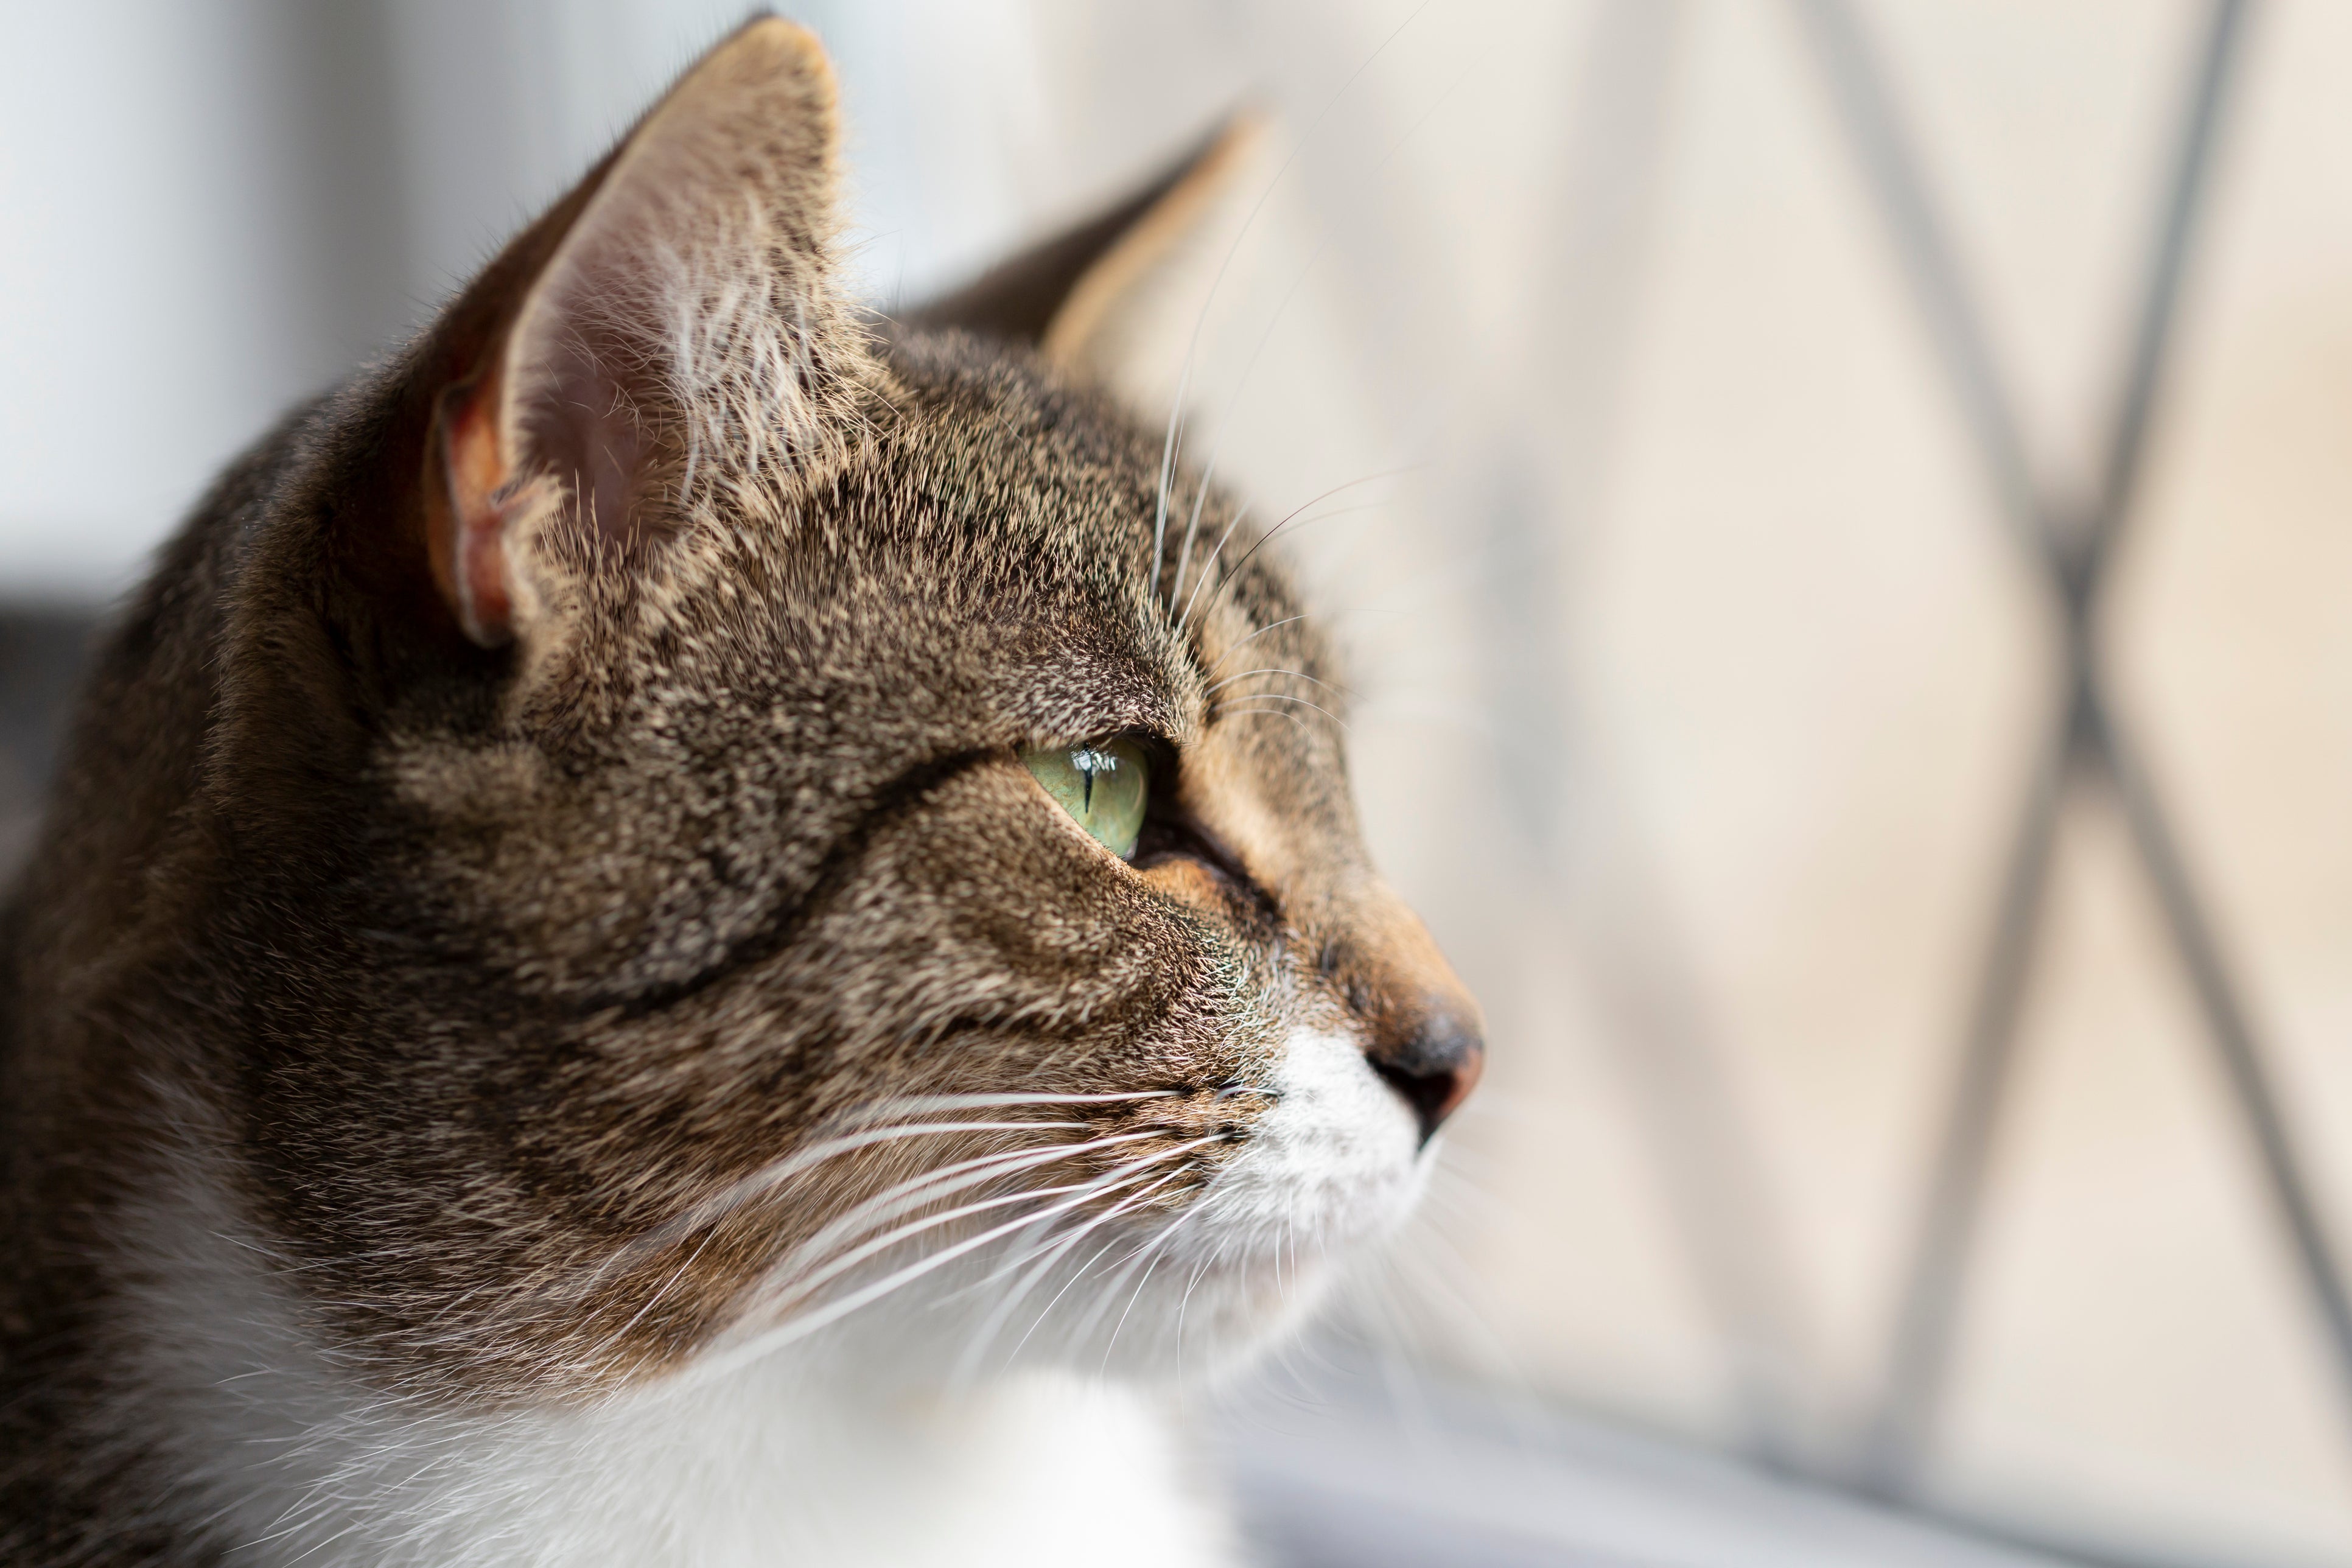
{"x":685,"y":315}
{"x":592,"y":398}
{"x":1066,"y":295}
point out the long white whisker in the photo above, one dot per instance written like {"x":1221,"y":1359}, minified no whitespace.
{"x":1272,"y":669}
{"x":1048,"y":1310}
{"x":931,"y":1185}
{"x":967,"y":1367}
{"x":1083,"y":1271}
{"x":1186,"y":618}
{"x":1121,"y":1270}
{"x":1294,"y":519}
{"x":926,"y":1104}
{"x":1112,"y":1343}
{"x":801,"y":1285}
{"x":1157,"y":1244}
{"x":1304,"y":727}
{"x":1054,"y":1254}
{"x":1270,"y":625}
{"x":1022,"y":1259}
{"x":1236,"y":706}
{"x":1207,"y":566}
{"x":1183,"y":1303}
{"x":1047,"y":1253}
{"x":719,"y":1205}
{"x":801,"y":1327}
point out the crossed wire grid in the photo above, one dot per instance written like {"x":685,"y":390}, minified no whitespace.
{"x":2089,"y":743}
{"x":1701,"y":1148}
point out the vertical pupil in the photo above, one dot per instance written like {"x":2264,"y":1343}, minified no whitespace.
{"x":1091,"y":764}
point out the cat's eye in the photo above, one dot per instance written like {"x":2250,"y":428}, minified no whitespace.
{"x":1105,"y":785}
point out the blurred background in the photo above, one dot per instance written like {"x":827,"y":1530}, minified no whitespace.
{"x":1842,"y":514}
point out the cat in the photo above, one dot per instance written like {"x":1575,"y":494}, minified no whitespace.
{"x":691,"y":925}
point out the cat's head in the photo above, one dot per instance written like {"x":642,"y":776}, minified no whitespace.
{"x":824,"y":840}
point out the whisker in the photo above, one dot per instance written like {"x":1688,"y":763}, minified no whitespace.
{"x":1236,"y":706}
{"x":926,"y":1103}
{"x":1109,"y":1294}
{"x":1277,"y":669}
{"x":1272,"y":713}
{"x":1083,"y":1271}
{"x":1040,"y":1263}
{"x":1112,"y":1343}
{"x":1232,"y":574}
{"x":929,"y":1185}
{"x":1240,"y":712}
{"x":1208,"y":565}
{"x":718,"y":1206}
{"x":845,"y":1262}
{"x":1176,"y":585}
{"x":1157,"y":1243}
{"x":1270,"y":625}
{"x":1124,"y":1266}
{"x":1046,"y":1255}
{"x":1024,"y":1258}
{"x":801,"y":1327}
{"x":1183,"y":1303}
{"x":1185,"y":619}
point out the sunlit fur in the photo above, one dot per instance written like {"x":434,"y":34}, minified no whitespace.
{"x":671,"y":1086}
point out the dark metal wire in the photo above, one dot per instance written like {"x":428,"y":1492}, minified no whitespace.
{"x":1928,"y":1313}
{"x":1856,"y":84}
{"x":2160,"y":296}
{"x":2218,"y":998}
{"x":2086,"y":739}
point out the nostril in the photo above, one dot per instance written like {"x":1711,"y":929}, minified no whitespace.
{"x":1433,"y":1095}
{"x":1434,"y":1069}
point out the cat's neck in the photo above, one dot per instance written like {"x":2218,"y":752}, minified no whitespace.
{"x":789,"y":1461}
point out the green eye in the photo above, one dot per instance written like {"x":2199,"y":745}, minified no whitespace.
{"x":1105,"y":787}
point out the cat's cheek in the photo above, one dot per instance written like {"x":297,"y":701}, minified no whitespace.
{"x":1192,"y":884}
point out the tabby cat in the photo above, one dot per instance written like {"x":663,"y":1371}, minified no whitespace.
{"x":692,"y":926}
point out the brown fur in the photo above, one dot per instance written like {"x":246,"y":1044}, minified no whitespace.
{"x":475,"y":968}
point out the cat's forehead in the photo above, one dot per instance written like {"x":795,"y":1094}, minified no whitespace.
{"x":981,"y":572}
{"x":1016,"y":455}
{"x":1068,"y":504}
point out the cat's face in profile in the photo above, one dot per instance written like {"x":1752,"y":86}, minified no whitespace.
{"x":849,"y":851}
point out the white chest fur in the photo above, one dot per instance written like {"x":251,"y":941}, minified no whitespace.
{"x":755,"y":1473}
{"x":783,"y":1462}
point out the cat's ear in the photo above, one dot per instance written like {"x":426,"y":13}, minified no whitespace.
{"x":678,"y":302}
{"x":1087,"y":297}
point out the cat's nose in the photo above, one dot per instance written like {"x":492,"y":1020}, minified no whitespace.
{"x":1434,"y":1061}
{"x":1420,"y":1028}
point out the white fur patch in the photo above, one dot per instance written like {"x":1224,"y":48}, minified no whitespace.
{"x":797,"y":1459}
{"x":1334,"y":1165}
{"x":827,"y":1451}
{"x":1336,"y":1162}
